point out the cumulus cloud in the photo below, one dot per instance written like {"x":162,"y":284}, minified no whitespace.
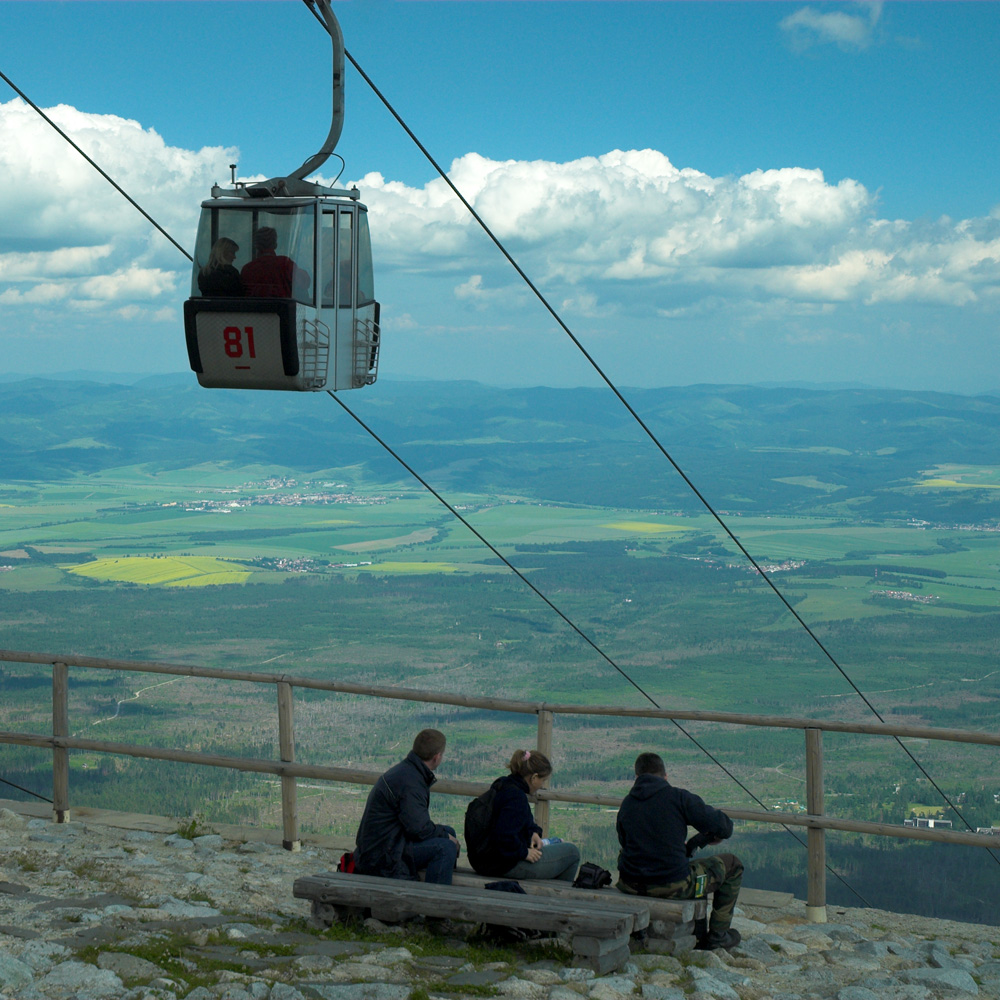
{"x":622,"y":234}
{"x":630,"y":223}
{"x":36,"y":294}
{"x":65,"y":224}
{"x":808,"y":26}
{"x":483,"y":297}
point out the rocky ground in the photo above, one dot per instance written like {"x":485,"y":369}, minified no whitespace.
{"x":93,"y":911}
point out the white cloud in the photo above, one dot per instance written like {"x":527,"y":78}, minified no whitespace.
{"x":51,"y":195}
{"x":625,"y":234}
{"x":808,"y":26}
{"x":130,"y":283}
{"x":483,"y":297}
{"x":35,"y":295}
{"x":631,"y":224}
{"x":64,"y":261}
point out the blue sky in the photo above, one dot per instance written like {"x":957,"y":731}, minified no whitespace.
{"x":708,"y":192}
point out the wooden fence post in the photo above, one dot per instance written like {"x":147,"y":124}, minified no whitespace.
{"x":60,"y":755}
{"x":816,"y":892}
{"x":286,"y":745}
{"x":545,"y":745}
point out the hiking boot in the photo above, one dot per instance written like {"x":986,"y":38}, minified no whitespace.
{"x":718,"y":939}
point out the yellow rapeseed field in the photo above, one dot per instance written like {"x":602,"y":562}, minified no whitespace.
{"x":163,"y":571}
{"x":644,"y":527}
{"x":955,"y":484}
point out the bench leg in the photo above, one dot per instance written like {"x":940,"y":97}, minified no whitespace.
{"x":323,"y":915}
{"x":327,"y":914}
{"x":669,"y":938}
{"x":601,"y":954}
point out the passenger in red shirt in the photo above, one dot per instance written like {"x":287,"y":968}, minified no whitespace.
{"x":270,"y":275}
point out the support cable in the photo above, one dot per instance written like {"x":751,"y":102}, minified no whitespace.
{"x":652,"y":437}
{"x":590,"y":642}
{"x":26,"y":790}
{"x":27,"y":100}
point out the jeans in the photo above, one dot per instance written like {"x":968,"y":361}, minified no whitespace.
{"x":557,"y":861}
{"x":438,"y":855}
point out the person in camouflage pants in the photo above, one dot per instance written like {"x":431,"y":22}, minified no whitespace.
{"x":654,"y":859}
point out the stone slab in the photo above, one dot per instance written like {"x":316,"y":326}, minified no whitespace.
{"x":765,"y":897}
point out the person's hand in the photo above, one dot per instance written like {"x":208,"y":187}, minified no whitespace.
{"x":536,"y":841}
{"x":454,"y":840}
{"x":534,"y":854}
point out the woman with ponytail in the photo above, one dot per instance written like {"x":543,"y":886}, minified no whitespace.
{"x":515,"y":849}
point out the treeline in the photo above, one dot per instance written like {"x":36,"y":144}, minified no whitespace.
{"x":936,"y":880}
{"x":744,"y":446}
{"x":164,"y":788}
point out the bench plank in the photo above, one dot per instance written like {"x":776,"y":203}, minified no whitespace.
{"x":676,"y":911}
{"x":564,"y":892}
{"x":465,"y":903}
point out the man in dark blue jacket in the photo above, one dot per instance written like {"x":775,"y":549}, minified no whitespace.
{"x":652,"y":829}
{"x":397,"y":837}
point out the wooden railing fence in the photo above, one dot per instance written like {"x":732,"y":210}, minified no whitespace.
{"x":815,"y":819}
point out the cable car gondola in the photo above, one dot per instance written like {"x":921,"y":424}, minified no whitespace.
{"x":282,"y":287}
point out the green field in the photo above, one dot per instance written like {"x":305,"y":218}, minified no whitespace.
{"x":962,"y":477}
{"x":210,"y":513}
{"x":323,"y":576}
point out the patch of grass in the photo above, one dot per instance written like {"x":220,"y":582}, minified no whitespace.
{"x":87,"y":869}
{"x":171,"y":953}
{"x":194,"y":827}
{"x":421,"y":943}
{"x":260,"y":948}
{"x":468,"y":990}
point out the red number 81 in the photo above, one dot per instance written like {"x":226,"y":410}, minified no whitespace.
{"x":233,"y":337}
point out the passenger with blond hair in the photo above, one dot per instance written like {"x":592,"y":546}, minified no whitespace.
{"x":515,"y":848}
{"x":218,"y":276}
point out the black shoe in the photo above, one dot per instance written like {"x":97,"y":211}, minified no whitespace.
{"x":714,"y":940}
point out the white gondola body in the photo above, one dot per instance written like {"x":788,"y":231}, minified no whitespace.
{"x":323,"y":335}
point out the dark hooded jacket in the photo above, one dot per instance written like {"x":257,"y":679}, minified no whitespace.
{"x":510,"y":830}
{"x":652,"y":828}
{"x":396,"y":814}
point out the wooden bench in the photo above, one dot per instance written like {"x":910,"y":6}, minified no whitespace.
{"x":599,"y":928}
{"x":671,"y":927}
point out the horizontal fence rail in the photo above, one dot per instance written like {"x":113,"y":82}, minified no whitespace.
{"x":507,"y":705}
{"x":815,"y":820}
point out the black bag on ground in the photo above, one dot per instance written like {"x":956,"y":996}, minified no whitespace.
{"x":499,"y":933}
{"x":591,"y":876}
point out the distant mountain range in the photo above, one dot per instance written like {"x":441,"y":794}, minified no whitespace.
{"x":852,"y":450}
